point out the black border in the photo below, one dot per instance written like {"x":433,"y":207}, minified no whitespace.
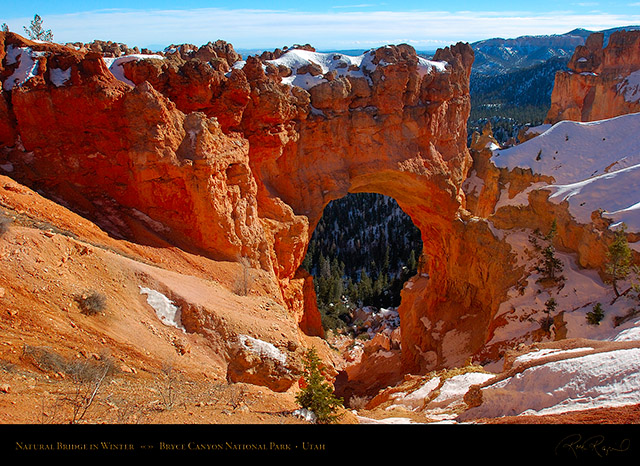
{"x":358,"y":442}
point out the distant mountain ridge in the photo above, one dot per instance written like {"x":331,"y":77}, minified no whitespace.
{"x":512,"y":79}
{"x":497,"y":55}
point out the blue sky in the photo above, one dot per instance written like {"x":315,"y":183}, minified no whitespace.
{"x":325,"y":24}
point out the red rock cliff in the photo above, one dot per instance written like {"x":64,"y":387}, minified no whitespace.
{"x":601,"y":82}
{"x":228,"y":158}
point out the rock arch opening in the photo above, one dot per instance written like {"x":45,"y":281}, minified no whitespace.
{"x":400,"y":132}
{"x":360,"y":254}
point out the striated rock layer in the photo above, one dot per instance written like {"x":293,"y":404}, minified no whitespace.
{"x":602,"y":82}
{"x":237,"y":159}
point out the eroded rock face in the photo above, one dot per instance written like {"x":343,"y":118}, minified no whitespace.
{"x":240,"y":163}
{"x":90,"y":139}
{"x":492,"y":194}
{"x":602,"y":82}
{"x":257,"y":362}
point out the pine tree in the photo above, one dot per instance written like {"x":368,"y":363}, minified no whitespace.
{"x":36,"y":32}
{"x":550,"y":305}
{"x":596,"y":315}
{"x":317,"y":394}
{"x":4,"y":27}
{"x":353,"y":291}
{"x":547,"y":321}
{"x":386,"y":261}
{"x":365,"y":288}
{"x":550,"y":265}
{"x":553,"y":231}
{"x":412,"y":264}
{"x":619,"y":254}
{"x":308,"y":261}
{"x":379,"y":288}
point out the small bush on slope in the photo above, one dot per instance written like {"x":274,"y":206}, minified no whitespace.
{"x":619,"y":254}
{"x":594,"y":317}
{"x":5,"y":222}
{"x":92,"y":303}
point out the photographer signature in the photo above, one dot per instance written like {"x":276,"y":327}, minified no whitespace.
{"x":594,"y":444}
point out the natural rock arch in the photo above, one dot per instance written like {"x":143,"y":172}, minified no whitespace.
{"x":405,"y":139}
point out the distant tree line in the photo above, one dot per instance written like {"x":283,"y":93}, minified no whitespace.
{"x":513,"y":100}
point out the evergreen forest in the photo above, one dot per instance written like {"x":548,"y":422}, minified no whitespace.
{"x":361,"y":253}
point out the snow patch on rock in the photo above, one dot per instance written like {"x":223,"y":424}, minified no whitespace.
{"x":606,"y":379}
{"x":343,"y":65}
{"x":115,"y":64}
{"x":630,"y":87}
{"x":59,"y":77}
{"x":166,"y":311}
{"x":27,"y":68}
{"x":262,"y":348}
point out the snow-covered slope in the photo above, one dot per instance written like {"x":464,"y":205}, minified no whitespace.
{"x":602,"y":379}
{"x":580,"y":291}
{"x":543,"y":381}
{"x":592,"y":166}
{"x":595,"y":165}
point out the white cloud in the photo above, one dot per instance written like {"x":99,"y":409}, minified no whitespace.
{"x":362,"y":5}
{"x":274,"y":28}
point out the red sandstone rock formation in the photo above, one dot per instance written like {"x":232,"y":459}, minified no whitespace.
{"x":601,"y":82}
{"x":95,"y":136}
{"x":237,"y":163}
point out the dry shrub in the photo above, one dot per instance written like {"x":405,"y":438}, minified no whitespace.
{"x":92,"y":303}
{"x":88,"y":379}
{"x":5,"y":222}
{"x":358,"y":402}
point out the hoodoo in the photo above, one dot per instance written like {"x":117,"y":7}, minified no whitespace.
{"x":601,"y":82}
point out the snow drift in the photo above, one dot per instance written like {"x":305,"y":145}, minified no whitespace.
{"x":595,"y":165}
{"x":607,"y":379}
